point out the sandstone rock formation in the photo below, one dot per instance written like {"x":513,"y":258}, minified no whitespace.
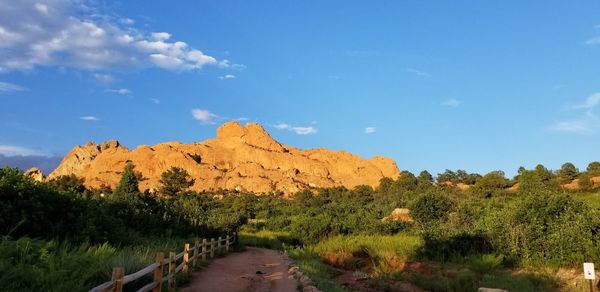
{"x":35,"y":173}
{"x":244,"y":158}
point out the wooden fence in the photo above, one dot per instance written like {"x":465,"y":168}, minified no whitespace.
{"x":203,"y":250}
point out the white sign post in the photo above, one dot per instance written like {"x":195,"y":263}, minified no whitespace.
{"x":589,"y":274}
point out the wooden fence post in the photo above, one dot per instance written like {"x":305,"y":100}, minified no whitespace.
{"x":186,"y":257}
{"x":117,"y":277}
{"x":172,"y":265}
{"x":203,"y":249}
{"x":212,"y":248}
{"x":219,"y":245}
{"x":195,"y":258}
{"x":158,"y":272}
{"x":227,"y":244}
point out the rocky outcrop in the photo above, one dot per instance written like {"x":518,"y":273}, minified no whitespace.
{"x":35,"y":173}
{"x":243,"y":158}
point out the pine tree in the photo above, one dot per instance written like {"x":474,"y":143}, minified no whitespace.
{"x":175,"y":181}
{"x":128,"y":187}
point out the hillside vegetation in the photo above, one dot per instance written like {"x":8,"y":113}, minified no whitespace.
{"x":456,"y":239}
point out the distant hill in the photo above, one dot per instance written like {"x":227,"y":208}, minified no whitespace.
{"x":243,"y":158}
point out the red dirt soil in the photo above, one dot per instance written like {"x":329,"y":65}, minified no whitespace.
{"x":256,"y":269}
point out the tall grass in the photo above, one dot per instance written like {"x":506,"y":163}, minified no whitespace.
{"x":36,"y":265}
{"x":382,"y":253}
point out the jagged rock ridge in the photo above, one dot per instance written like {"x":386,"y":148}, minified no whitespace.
{"x":244,"y":158}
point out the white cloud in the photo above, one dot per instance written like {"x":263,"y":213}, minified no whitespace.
{"x":155,"y":100}
{"x":593,"y":41}
{"x":451,"y":103}
{"x":227,"y":76}
{"x":89,"y":118}
{"x":370,"y":130}
{"x":66,"y":33}
{"x":6,"y":87}
{"x":590,"y":102}
{"x":576,"y":126}
{"x":588,"y":123}
{"x":204,"y":116}
{"x":298,"y":130}
{"x":282,"y":126}
{"x":104,"y":79}
{"x":10,"y":150}
{"x":226,"y":64}
{"x":123,"y":91}
{"x":304,"y":130}
{"x":418,"y":72}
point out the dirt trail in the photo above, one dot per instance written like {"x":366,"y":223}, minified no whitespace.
{"x":255,"y":269}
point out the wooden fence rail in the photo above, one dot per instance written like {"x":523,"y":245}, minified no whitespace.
{"x":119,"y":279}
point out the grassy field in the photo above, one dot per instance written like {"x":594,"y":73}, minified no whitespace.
{"x":388,"y":260}
{"x":37,"y":265}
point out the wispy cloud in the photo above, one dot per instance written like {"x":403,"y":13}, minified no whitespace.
{"x":308,"y":130}
{"x":587,"y":123}
{"x":6,"y":87}
{"x":227,"y":65}
{"x":122,"y":91}
{"x":304,"y":130}
{"x":89,"y":118}
{"x":590,"y":102}
{"x":370,"y":130}
{"x":419,"y":73}
{"x":227,"y":76}
{"x":155,"y":100}
{"x":205,"y":116}
{"x":451,"y":103}
{"x":104,"y":79}
{"x":594,"y":40}
{"x":11,"y":150}
{"x":78,"y":34}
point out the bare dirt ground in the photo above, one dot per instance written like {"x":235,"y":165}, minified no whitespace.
{"x":256,"y":269}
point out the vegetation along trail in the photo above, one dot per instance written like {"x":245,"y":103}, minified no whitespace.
{"x":255,"y":269}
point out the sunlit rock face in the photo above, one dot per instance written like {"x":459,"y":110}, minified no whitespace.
{"x":243,"y":158}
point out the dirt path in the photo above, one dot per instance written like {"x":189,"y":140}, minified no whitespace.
{"x":256,"y":269}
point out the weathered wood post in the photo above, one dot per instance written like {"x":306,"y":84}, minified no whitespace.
{"x":158,"y":272}
{"x":203,"y":249}
{"x":172,"y":265}
{"x":186,"y":257}
{"x":219,"y":246}
{"x":227,"y":244}
{"x":212,"y":248}
{"x":117,"y":278}
{"x":195,"y":258}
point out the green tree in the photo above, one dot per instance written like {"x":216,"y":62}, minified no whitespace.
{"x":530,"y":183}
{"x":585,"y":181}
{"x":568,"y":172}
{"x":128,"y":186}
{"x":446,"y":176}
{"x":425,"y":176}
{"x":492,"y":183}
{"x":430,"y":207}
{"x":69,"y":183}
{"x":594,"y":168}
{"x":175,"y":181}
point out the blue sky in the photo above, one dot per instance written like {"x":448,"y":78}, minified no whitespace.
{"x":475,"y":85}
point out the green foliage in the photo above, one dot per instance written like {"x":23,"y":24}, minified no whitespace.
{"x":567,"y":172}
{"x":128,"y":187}
{"x":68,"y":183}
{"x":491,"y":184}
{"x":593,"y":168}
{"x":431,"y":207}
{"x":175,"y":181}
